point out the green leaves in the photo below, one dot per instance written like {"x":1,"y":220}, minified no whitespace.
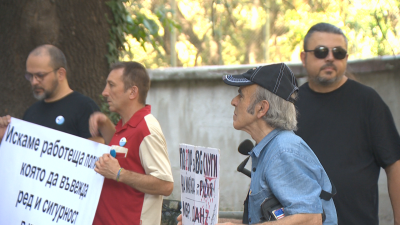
{"x":235,"y":31}
{"x":129,"y":20}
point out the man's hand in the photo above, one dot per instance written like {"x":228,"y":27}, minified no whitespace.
{"x":96,"y":120}
{"x":179,"y":219}
{"x":4,"y":121}
{"x":107,"y":166}
{"x":100,"y":122}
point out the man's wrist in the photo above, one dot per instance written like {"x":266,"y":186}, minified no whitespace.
{"x":119,"y":174}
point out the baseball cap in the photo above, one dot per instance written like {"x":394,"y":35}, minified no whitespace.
{"x":276,"y":78}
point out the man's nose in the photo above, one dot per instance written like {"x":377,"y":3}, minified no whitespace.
{"x":105,"y":92}
{"x":34,"y":81}
{"x":234,"y":101}
{"x":330,"y":56}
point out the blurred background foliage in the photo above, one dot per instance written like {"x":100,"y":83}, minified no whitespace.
{"x":231,"y":32}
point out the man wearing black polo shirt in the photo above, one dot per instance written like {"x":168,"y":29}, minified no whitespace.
{"x":59,"y":107}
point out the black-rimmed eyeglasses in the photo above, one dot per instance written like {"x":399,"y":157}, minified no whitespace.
{"x":39,"y":76}
{"x":321,"y":52}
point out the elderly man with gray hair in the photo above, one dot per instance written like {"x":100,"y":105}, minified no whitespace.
{"x":288,"y":183}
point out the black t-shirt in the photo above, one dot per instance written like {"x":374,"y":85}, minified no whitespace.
{"x":352,"y":132}
{"x":69,"y":114}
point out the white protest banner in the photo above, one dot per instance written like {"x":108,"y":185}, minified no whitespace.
{"x":200,"y":175}
{"x":47,"y":176}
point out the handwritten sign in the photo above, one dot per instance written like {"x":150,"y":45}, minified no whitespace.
{"x":199,"y":167}
{"x":48,"y":176}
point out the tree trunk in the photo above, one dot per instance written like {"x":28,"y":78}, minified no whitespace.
{"x":78,"y":28}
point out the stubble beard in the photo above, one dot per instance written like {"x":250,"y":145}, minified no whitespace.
{"x":46,"y":93}
{"x":323,"y":81}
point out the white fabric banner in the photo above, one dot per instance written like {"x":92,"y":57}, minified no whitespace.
{"x":200,"y":175}
{"x":47,"y":176}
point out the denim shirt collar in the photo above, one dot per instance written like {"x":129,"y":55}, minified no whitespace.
{"x":260,"y":146}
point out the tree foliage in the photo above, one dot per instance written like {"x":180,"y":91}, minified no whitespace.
{"x":226,"y":32}
{"x":130,"y":22}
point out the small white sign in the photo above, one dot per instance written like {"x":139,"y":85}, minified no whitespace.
{"x":48,"y":176}
{"x":200,"y":175}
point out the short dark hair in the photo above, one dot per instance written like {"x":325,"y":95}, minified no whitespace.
{"x":323,"y":27}
{"x":57,"y":57}
{"x":135,"y":74}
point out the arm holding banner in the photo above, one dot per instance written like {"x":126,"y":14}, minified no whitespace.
{"x":4,"y":121}
{"x":100,"y":122}
{"x":109,"y":168}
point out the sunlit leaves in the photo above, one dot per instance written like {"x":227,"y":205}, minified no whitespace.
{"x":129,"y":21}
{"x":234,"y":31}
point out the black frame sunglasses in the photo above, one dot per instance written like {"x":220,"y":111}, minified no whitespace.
{"x":321,"y":52}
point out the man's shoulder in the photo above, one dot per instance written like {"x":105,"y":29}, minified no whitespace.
{"x":152,"y":124}
{"x":359,"y":86}
{"x":304,"y":87}
{"x":78,"y":97}
{"x":284,"y":139}
{"x":288,"y":138}
{"x":144,"y":124}
{"x":362,"y":92}
{"x":286,"y":148}
{"x":289,"y":142}
{"x":354,"y":88}
{"x":150,"y":128}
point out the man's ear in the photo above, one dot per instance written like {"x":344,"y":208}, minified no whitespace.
{"x":134,"y":92}
{"x":303,"y":58}
{"x":262,"y":108}
{"x":61,"y":73}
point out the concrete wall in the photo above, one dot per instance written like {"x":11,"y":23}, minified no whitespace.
{"x":193,"y":107}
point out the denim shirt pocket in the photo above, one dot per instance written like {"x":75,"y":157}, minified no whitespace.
{"x":255,"y":201}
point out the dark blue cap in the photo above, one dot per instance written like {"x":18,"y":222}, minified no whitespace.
{"x":276,"y":78}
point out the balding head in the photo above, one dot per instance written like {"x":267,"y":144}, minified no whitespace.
{"x":57,"y":57}
{"x":46,"y":71}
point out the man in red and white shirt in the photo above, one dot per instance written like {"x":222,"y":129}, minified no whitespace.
{"x":140,"y":174}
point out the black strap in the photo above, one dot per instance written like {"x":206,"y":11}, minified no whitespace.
{"x":326,"y":195}
{"x":245,"y":219}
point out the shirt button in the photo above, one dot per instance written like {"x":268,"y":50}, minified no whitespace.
{"x":254,"y":169}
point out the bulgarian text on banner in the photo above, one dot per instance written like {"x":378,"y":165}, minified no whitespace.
{"x":199,"y":167}
{"x":48,"y":176}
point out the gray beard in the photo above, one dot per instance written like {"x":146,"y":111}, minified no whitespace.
{"x":39,"y":96}
{"x":46,"y":94}
{"x":326,"y":82}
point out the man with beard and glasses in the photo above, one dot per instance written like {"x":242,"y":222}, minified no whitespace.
{"x":349,"y":127}
{"x":59,"y":107}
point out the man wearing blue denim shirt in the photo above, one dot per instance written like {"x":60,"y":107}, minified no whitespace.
{"x":282,"y":163}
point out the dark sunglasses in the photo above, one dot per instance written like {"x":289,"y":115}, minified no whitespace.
{"x":322,"y":52}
